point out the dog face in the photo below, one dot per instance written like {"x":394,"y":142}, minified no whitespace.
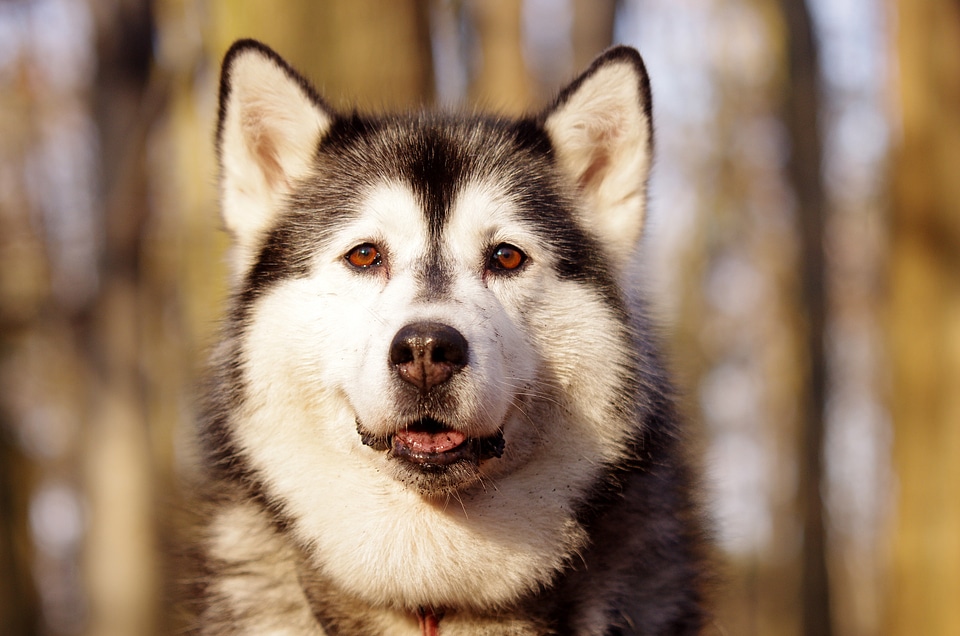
{"x":432,"y":305}
{"x":429,"y":306}
{"x":420,"y":339}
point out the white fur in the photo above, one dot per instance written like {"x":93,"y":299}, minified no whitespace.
{"x":602,"y":137}
{"x":271,"y":127}
{"x":268,"y":575}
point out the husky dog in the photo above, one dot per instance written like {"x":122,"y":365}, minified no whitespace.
{"x":435,"y":407}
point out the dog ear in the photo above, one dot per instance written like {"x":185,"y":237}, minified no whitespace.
{"x":270,"y":123}
{"x":601,"y":130}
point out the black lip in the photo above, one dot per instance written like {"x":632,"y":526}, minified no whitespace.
{"x":373,"y":441}
{"x":473,"y":449}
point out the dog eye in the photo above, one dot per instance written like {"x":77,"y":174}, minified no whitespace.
{"x":506,"y":258}
{"x":364,"y":256}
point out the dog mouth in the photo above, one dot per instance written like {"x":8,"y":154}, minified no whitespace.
{"x":432,"y":445}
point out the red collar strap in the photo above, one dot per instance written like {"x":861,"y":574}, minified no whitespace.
{"x":429,"y":621}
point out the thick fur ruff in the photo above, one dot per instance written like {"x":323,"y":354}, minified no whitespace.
{"x":436,"y":406}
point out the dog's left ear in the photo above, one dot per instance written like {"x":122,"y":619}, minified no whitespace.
{"x":271,"y":122}
{"x":600,"y":127}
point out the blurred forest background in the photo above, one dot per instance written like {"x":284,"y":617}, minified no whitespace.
{"x":804,"y":254}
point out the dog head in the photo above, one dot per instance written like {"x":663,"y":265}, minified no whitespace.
{"x":428,"y":306}
{"x":429,"y":293}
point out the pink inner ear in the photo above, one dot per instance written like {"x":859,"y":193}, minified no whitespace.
{"x":263,"y":148}
{"x":596,"y":168}
{"x":601,"y":138}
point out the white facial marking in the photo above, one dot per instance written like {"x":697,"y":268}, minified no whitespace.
{"x":317,"y":360}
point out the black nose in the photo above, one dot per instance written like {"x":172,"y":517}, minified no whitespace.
{"x":428,"y":353}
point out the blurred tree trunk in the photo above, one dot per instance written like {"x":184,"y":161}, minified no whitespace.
{"x":924,"y":322}
{"x":502,"y":81}
{"x":119,"y":559}
{"x":366,"y":53}
{"x":801,"y":113}
{"x":593,"y":23}
{"x":19,"y":613}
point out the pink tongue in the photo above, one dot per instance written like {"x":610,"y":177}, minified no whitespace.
{"x":425,"y":442}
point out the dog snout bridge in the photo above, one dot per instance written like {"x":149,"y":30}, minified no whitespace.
{"x":427,"y":354}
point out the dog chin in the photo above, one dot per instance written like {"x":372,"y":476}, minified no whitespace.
{"x":433,"y":457}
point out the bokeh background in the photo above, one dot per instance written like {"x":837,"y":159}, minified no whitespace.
{"x":803,"y":254}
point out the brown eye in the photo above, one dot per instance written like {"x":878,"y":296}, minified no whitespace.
{"x":364,"y":256}
{"x":506,"y":258}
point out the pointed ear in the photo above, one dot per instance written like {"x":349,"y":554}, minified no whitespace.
{"x":271,"y":121}
{"x":600,"y":128}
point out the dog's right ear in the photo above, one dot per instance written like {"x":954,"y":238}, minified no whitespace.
{"x":601,"y":130}
{"x":270,"y":123}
